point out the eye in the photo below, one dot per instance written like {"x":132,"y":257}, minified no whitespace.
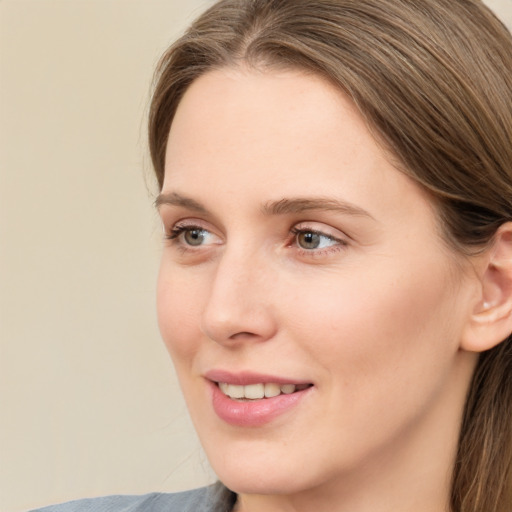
{"x":316,"y":242}
{"x":313,"y":240}
{"x":192,"y":236}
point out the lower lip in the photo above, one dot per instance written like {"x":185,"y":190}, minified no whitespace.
{"x":254,"y":413}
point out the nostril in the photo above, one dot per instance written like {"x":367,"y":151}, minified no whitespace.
{"x":243,"y":335}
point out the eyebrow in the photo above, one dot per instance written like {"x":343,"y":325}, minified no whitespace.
{"x":175,"y":199}
{"x":304,"y":204}
{"x":280,"y":207}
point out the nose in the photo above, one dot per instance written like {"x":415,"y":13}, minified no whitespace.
{"x":238,"y":307}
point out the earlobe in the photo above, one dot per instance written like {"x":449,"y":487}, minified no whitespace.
{"x":491,"y":319}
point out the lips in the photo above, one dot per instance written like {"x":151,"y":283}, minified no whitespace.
{"x":246,"y":378}
{"x":250,"y":399}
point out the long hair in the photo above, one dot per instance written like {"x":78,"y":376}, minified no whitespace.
{"x":433,"y":80}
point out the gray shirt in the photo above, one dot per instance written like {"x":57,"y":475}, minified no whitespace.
{"x":206,"y":499}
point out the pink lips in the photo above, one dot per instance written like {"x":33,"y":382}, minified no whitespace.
{"x":253,"y":413}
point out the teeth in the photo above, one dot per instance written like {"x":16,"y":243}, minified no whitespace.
{"x":272,"y":390}
{"x":259,"y":391}
{"x":254,"y":391}
{"x":236,"y":391}
{"x":288,"y":388}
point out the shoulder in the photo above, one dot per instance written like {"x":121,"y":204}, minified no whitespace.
{"x":198,"y":500}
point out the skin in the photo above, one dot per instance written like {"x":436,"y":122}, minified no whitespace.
{"x":373,"y":318}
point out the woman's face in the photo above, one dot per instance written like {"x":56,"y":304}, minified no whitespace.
{"x":299,"y":259}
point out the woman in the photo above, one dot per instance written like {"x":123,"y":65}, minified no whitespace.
{"x":336,"y":283}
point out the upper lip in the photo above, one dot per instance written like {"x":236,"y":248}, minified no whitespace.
{"x":246,"y":378}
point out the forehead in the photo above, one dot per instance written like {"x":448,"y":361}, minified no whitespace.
{"x":245,"y":119}
{"x":283,"y":129}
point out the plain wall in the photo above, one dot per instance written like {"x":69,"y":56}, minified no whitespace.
{"x":88,"y":400}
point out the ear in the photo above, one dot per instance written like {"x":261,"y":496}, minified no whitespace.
{"x":491,"y":319}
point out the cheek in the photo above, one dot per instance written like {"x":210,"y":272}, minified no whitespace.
{"x":383,"y":329}
{"x":178,"y":303}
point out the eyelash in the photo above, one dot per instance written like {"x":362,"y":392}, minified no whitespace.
{"x":177,"y":230}
{"x":339,"y":245}
{"x":173,"y":237}
{"x":180,"y":229}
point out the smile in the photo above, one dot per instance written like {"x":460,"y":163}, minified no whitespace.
{"x":255,"y":404}
{"x":259,"y":391}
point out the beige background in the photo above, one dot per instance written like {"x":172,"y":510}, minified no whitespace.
{"x":88,"y":401}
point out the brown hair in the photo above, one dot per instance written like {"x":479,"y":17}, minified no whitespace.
{"x":433,"y":79}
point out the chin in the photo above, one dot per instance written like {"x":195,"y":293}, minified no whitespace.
{"x":264,"y":474}
{"x":269,"y":483}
